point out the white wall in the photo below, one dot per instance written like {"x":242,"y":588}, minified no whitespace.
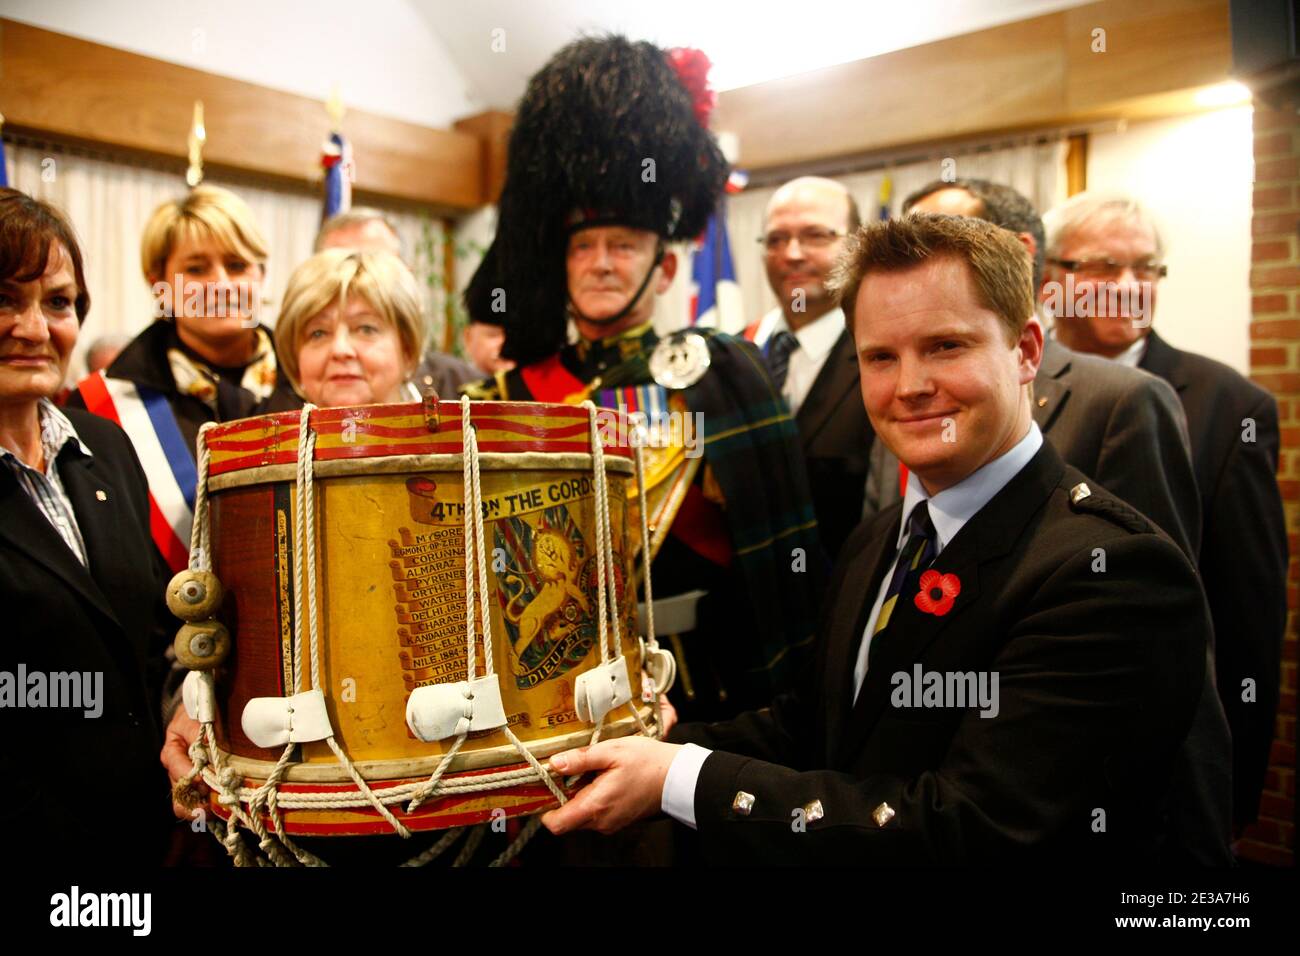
{"x":1196,"y":174}
{"x":382,"y":54}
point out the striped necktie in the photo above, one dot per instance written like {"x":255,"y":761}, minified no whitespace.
{"x":918,"y":551}
{"x":778,"y":356}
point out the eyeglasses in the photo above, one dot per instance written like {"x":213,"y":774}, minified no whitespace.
{"x":774,"y":242}
{"x":1144,"y":271}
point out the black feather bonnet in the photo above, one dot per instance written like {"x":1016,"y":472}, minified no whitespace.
{"x":609,"y":132}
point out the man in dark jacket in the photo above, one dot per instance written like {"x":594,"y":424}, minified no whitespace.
{"x":1009,"y":659}
{"x":1105,"y":259}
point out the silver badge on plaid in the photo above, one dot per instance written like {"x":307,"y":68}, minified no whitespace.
{"x":680,"y":360}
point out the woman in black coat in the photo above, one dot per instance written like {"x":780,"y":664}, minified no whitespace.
{"x":205,"y":358}
{"x":81,"y":583}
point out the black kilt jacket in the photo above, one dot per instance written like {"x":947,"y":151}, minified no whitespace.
{"x":1099,"y":675}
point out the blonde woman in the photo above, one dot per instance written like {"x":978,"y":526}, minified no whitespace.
{"x":350,"y":333}
{"x":205,"y":358}
{"x":351,"y":330}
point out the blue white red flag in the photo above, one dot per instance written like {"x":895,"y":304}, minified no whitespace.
{"x":336,"y":158}
{"x":715,"y":293}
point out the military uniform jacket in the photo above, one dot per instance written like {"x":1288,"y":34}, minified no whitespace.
{"x":1099,"y":672}
{"x":740,"y":527}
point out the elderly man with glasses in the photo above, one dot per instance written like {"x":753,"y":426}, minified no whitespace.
{"x":1104,"y":265}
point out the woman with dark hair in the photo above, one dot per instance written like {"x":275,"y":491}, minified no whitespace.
{"x":81,"y":582}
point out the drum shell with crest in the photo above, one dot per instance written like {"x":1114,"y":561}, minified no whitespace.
{"x":388,"y":541}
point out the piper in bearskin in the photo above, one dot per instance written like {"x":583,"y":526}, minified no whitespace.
{"x":609,"y":162}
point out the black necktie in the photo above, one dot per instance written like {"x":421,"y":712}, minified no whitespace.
{"x":917,"y":552}
{"x":778,"y":356}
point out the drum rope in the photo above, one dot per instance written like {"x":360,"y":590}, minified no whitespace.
{"x":306,"y":529}
{"x":476,"y":580}
{"x":304,"y":857}
{"x":435,"y":851}
{"x":643,"y":506}
{"x":200,"y":539}
{"x":604,"y":544}
{"x":526,"y":833}
{"x":471,"y":844}
{"x":299,"y":546}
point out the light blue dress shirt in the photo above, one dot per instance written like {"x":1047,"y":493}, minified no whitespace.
{"x":950,"y":509}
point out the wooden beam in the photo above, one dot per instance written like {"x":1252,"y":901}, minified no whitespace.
{"x":492,"y":129}
{"x":1019,"y":76}
{"x":1076,"y":164}
{"x":65,"y":87}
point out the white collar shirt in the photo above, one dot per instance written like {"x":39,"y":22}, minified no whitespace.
{"x":816,"y":339}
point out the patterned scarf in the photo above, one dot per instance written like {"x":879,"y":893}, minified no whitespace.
{"x":196,"y":379}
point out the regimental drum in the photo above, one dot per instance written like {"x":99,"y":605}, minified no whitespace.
{"x":339,"y":730}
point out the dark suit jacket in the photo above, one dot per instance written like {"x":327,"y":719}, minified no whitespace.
{"x":87,"y":790}
{"x":1243,"y":557}
{"x":1099,"y":677}
{"x":836,"y":437}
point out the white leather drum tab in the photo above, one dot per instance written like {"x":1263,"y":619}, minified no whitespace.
{"x":601,"y":689}
{"x":439,"y":711}
{"x":275,"y":721}
{"x":198,"y":698}
{"x":662,"y":668}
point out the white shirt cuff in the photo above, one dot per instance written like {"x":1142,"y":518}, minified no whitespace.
{"x":678,"y":800}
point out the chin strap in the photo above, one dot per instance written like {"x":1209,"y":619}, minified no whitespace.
{"x":636,"y":296}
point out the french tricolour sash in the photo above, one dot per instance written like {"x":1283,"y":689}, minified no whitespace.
{"x":147,"y":419}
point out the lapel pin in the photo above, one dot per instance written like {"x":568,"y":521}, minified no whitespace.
{"x":937,"y":593}
{"x":101,"y":494}
{"x":1042,"y":402}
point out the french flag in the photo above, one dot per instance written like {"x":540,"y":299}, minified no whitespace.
{"x":715,"y":295}
{"x":336,"y":157}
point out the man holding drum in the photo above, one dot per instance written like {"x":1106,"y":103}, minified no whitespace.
{"x":1011,"y":656}
{"x":609,"y":162}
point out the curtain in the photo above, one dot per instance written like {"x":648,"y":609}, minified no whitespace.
{"x":109,"y":199}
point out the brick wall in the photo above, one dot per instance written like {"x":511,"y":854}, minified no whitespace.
{"x":1275,"y":364}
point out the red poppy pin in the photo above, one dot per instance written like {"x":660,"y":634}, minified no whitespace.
{"x":937,"y":593}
